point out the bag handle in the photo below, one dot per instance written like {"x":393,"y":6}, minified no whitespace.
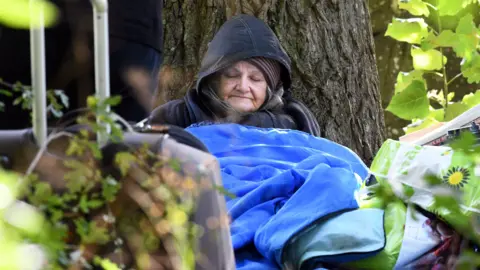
{"x":37,"y":67}
{"x":37,"y":60}
{"x":102,"y":64}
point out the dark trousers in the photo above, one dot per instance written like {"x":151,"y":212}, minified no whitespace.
{"x":70,"y":67}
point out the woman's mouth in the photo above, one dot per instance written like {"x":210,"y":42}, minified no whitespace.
{"x":240,"y":97}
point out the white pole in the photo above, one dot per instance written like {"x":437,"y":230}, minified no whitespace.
{"x":102,"y":64}
{"x":37,"y":63}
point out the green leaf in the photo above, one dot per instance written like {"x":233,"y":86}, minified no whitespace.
{"x":407,"y":30}
{"x":427,"y":60}
{"x":415,"y":7}
{"x":471,"y":69}
{"x":93,"y":204}
{"x":95,"y":150}
{"x":433,"y":180}
{"x":116,"y":134}
{"x":5,"y":92}
{"x":466,"y":41}
{"x":90,"y":232}
{"x":451,"y":7}
{"x":110,"y":187}
{"x":106,"y":264}
{"x":124,"y":160}
{"x":466,"y":25}
{"x":74,"y":148}
{"x":450,"y":96}
{"x":447,"y":38}
{"x":17,"y":101}
{"x":42,"y":193}
{"x":56,"y":215}
{"x":113,"y":101}
{"x":404,"y":79}
{"x":419,"y":125}
{"x":455,"y":109}
{"x":411,"y":103}
{"x":472,"y":99}
{"x":84,"y":133}
{"x":438,"y":114}
{"x":20,"y":13}
{"x":83,"y":203}
{"x":464,"y":142}
{"x":408,"y":191}
{"x":92,"y":102}
{"x":76,"y":180}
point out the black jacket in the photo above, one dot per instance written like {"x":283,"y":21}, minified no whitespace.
{"x":134,"y":20}
{"x":241,"y":37}
{"x":137,"y":20}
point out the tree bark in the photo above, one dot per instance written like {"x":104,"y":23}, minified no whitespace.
{"x":333,"y":59}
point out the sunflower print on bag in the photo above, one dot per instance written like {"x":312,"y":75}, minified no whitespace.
{"x":456,"y":177}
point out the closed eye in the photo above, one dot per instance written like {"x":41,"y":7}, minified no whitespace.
{"x":231,"y":75}
{"x":256,"y":78}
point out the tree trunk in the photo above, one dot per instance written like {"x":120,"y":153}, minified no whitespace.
{"x":333,"y":59}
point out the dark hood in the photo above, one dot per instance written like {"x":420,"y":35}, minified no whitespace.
{"x":242,"y":37}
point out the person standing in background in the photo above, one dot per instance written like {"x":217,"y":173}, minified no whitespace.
{"x":135,"y":39}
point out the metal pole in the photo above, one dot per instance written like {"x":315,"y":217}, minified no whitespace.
{"x":37,"y":63}
{"x":102,"y":64}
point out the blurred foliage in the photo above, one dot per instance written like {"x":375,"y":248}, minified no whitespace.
{"x":30,"y":14}
{"x":23,"y":14}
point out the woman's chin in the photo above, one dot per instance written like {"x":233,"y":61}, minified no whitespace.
{"x":244,"y":108}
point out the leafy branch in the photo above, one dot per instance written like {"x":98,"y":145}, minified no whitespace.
{"x":56,"y":99}
{"x":413,"y":98}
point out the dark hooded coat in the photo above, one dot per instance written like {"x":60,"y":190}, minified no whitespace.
{"x":239,"y":38}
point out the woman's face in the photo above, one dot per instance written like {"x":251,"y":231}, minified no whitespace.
{"x":243,"y":86}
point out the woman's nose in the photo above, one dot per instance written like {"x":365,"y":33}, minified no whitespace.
{"x":243,"y":84}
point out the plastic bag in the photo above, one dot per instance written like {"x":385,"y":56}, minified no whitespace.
{"x":405,"y":166}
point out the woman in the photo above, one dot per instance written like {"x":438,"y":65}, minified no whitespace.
{"x":244,"y":78}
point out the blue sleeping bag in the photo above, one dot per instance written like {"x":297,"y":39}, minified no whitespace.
{"x":284,"y":181}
